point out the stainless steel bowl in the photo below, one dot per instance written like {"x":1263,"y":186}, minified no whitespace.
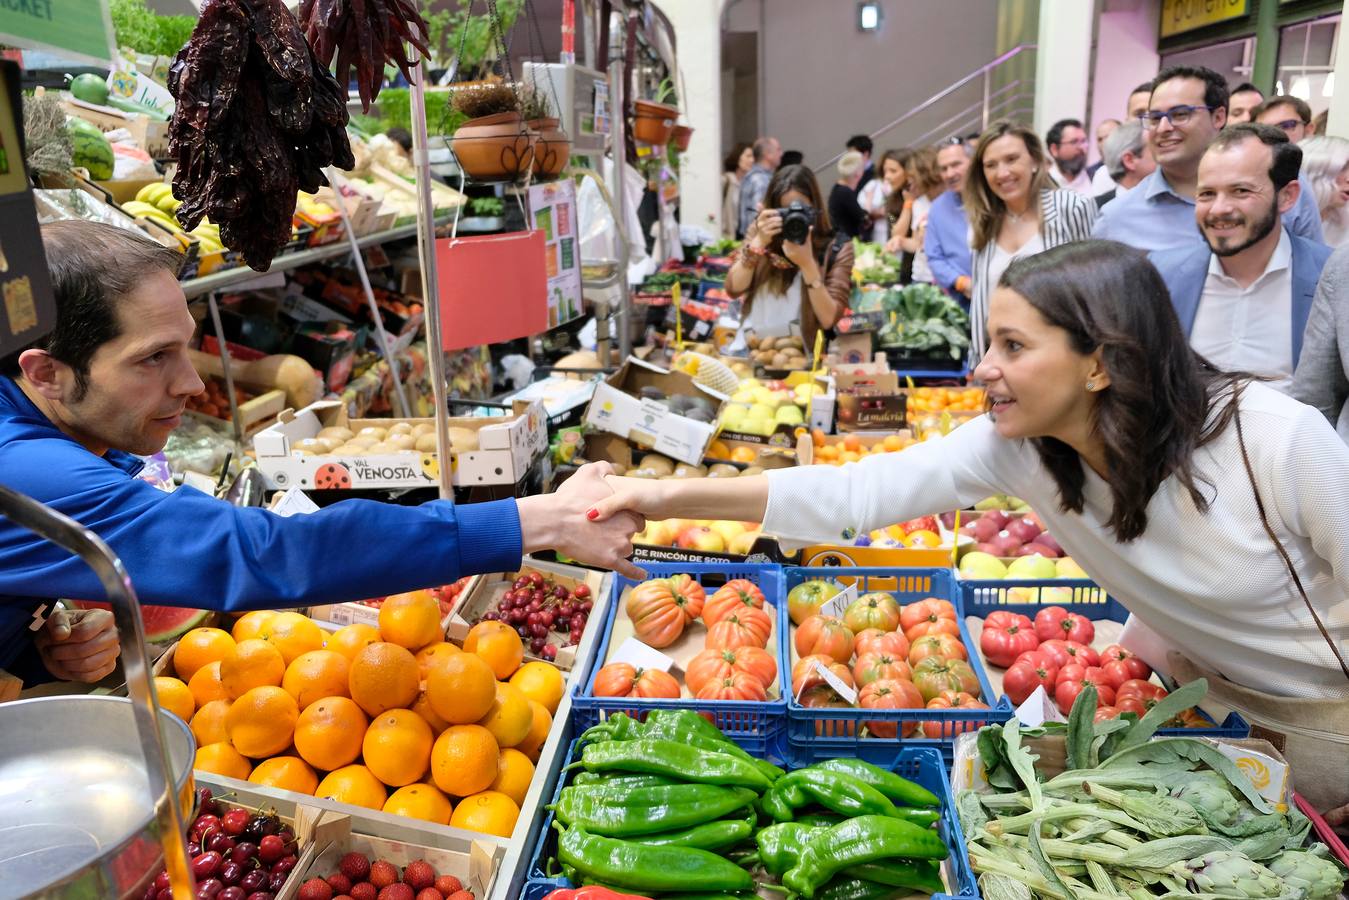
{"x":76,"y":816}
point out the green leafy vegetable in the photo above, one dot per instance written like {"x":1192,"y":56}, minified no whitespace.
{"x":1080,"y":733}
{"x":1171,"y":749}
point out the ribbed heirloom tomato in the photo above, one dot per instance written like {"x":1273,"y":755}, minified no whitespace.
{"x":873,"y":610}
{"x":746,"y":627}
{"x":712,"y":664}
{"x":1006,"y":636}
{"x":805,"y":675}
{"x":824,"y":635}
{"x":1056,"y":622}
{"x":624,"y":680}
{"x":952,"y":700}
{"x":660,"y":609}
{"x":890,"y":694}
{"x":944,"y":646}
{"x":880,"y":665}
{"x":919,"y":619}
{"x":1030,"y":670}
{"x":873,"y":640}
{"x":934,"y":675}
{"x":732,"y":596}
{"x":1073,"y":678}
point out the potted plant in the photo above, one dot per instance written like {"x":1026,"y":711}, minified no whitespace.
{"x":653,"y":121}
{"x":494,"y":143}
{"x":681,"y":137}
{"x":552,"y":148}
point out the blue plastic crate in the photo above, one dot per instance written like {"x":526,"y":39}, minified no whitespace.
{"x":1081,"y":597}
{"x":835,"y":731}
{"x":537,"y":889}
{"x":759,"y":727}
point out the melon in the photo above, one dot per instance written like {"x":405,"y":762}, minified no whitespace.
{"x":162,"y":624}
{"x":89,"y":148}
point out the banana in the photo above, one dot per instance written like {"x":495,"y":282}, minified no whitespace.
{"x":168,"y":203}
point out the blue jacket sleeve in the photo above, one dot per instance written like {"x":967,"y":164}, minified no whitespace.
{"x":939,"y":260}
{"x":1304,"y":219}
{"x":190,"y":549}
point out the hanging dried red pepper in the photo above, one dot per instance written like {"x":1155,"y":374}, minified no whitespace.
{"x":369,"y":33}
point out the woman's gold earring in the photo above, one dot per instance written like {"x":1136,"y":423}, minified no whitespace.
{"x":1091,"y":385}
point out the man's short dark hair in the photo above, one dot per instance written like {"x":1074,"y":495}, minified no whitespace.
{"x":792,"y":157}
{"x":1246,"y":88}
{"x":1145,"y":86}
{"x":1055,"y":135}
{"x":400,"y":136}
{"x":92,"y":267}
{"x":861,"y":143}
{"x":1304,"y":112}
{"x":1215,"y":85}
{"x":1285,"y":156}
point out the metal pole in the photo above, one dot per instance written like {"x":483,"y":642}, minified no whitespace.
{"x":225,"y":367}
{"x":426,"y":249}
{"x":384,"y":348}
{"x":618,"y":147}
{"x":987,"y":85}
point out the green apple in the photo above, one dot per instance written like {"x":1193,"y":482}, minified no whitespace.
{"x":1068,"y":568}
{"x":978,"y":565}
{"x":1032,"y":567}
{"x":997,"y":501}
{"x":790,"y":415}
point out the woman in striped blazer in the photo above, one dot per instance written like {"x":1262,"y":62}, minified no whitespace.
{"x":1014,"y":211}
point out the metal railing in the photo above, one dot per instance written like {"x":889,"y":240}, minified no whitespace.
{"x":987,"y":109}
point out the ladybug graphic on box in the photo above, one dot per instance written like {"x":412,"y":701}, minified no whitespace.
{"x":332,"y":477}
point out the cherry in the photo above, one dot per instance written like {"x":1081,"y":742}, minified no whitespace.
{"x":231,"y":873}
{"x":206,"y":864}
{"x":234,"y":892}
{"x":271,"y":848}
{"x":204,"y":825}
{"x":536,"y":645}
{"x":220,"y":842}
{"x":581,"y":592}
{"x":208,"y":889}
{"x":255,"y":880}
{"x":549,"y":652}
{"x":276,"y":880}
{"x":235,"y":821}
{"x":284,"y":864}
{"x":244,"y":852}
{"x":162,"y":880}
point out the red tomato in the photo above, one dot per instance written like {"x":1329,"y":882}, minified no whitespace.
{"x":1039,"y":658}
{"x":941,"y":626}
{"x":915,"y":617}
{"x":1073,"y":678}
{"x":1106,"y":712}
{"x":1006,"y":636}
{"x":1117,"y":672}
{"x":1116,"y":653}
{"x":922,"y":523}
{"x":1131,"y":704}
{"x":1056,"y":622}
{"x":933,"y":675}
{"x":943,"y":645}
{"x":952,"y":700}
{"x":1024,"y":676}
{"x":1065,"y":652}
{"x":1144,"y":690}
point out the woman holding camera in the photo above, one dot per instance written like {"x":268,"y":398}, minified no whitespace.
{"x":791,"y":273}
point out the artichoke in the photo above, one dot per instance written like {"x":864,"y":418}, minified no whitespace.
{"x":1318,"y":877}
{"x":1211,"y":797}
{"x":1228,"y":874}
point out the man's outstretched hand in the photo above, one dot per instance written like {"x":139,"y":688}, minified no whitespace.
{"x":559,"y":521}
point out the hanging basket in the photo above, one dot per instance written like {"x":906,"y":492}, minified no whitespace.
{"x":652,"y":123}
{"x":495,"y":148}
{"x":683,"y":134}
{"x":552,"y":149}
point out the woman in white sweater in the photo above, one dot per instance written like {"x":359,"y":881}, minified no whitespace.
{"x":1130,"y":448}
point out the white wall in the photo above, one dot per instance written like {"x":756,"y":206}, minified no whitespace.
{"x":1126,"y":56}
{"x":1062,"y":61}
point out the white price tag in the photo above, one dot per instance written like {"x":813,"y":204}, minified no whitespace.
{"x":640,"y":656}
{"x":294,"y":502}
{"x":839,"y":603}
{"x":841,"y":687}
{"x":1038,"y":709}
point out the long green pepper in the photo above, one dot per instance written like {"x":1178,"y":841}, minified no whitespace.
{"x":780,"y":845}
{"x":835,"y":791}
{"x":625,"y":864}
{"x":660,"y":757}
{"x":707,"y":836}
{"x":848,"y":888}
{"x":863,"y":839}
{"x":619,"y":811}
{"x":683,"y":726}
{"x":900,"y":790}
{"x":919,"y":874}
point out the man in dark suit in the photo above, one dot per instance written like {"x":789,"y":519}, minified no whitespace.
{"x":1244,"y":295}
{"x":862,"y":144}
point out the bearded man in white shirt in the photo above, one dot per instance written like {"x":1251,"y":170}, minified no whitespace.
{"x":1244,"y":295}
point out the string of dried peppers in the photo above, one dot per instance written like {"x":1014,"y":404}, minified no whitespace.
{"x":368,"y":33}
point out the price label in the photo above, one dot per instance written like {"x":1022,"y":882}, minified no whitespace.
{"x":641,"y":656}
{"x":294,"y":502}
{"x":841,"y":687}
{"x":1038,"y":709}
{"x":839,"y":603}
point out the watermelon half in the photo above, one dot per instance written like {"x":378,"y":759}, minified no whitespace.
{"x":163,"y":624}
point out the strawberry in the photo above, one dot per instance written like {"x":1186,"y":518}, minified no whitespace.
{"x":396,"y":891}
{"x":364,"y":891}
{"x":341,"y":884}
{"x":448,"y":884}
{"x":383,"y":874}
{"x":315,"y":889}
{"x":429,"y":894}
{"x":355,"y":866}
{"x":419,"y":875}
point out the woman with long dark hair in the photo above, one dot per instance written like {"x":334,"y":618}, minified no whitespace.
{"x":787,"y":286}
{"x":1214,"y":507}
{"x":734,"y":167}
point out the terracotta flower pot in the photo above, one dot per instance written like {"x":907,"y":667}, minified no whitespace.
{"x":652,"y":123}
{"x":494,"y":147}
{"x":683,"y":134}
{"x":553,"y":148}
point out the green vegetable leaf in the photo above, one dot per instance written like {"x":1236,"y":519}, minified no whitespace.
{"x":1022,"y":761}
{"x":1179,"y":700}
{"x":1080,"y":721}
{"x":993,"y":886}
{"x":1102,"y":732}
{"x":1167,"y":750}
{"x":970,"y":811}
{"x":1046,"y":868}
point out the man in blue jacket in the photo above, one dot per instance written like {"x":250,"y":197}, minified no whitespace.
{"x":111,"y":381}
{"x":947,"y":242}
{"x":1244,"y":294}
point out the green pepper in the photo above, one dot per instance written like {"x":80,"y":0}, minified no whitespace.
{"x":707,"y":836}
{"x":780,"y":845}
{"x":660,"y":757}
{"x":683,"y":726}
{"x":900,"y":790}
{"x":847,"y":888}
{"x":633,"y":866}
{"x":835,"y":791}
{"x":624,"y":778}
{"x":917,"y":874}
{"x":820,"y":820}
{"x":860,"y":840}
{"x":774,"y":804}
{"x":620,"y":811}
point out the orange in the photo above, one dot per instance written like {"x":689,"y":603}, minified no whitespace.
{"x":410,"y":620}
{"x":262,"y":722}
{"x":509,"y":718}
{"x":490,"y":812}
{"x":315,"y":675}
{"x":355,"y":785}
{"x":351,"y":639}
{"x":514,"y":773}
{"x":253,"y":664}
{"x":199,"y":647}
{"x":923,"y":538}
{"x":222,"y":759}
{"x":430,"y":655}
{"x":174,"y":697}
{"x":719,"y":449}
{"x":817,"y":437}
{"x":464,"y":760}
{"x":538,"y":731}
{"x":252,"y":624}
{"x":461,"y":688}
{"x":498,"y":645}
{"x":541,"y":682}
{"x":892,"y":443}
{"x":208,"y":724}
{"x":852,"y":442}
{"x":744,"y":455}
{"x":420,"y":801}
{"x":383,"y":676}
{"x":292,"y":634}
{"x":397,"y":747}
{"x":206,"y":686}
{"x":289,"y":773}
{"x":422,"y":707}
{"x":328,"y":733}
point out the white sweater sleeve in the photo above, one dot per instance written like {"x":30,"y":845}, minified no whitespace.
{"x":1308,"y":487}
{"x":827,"y":504}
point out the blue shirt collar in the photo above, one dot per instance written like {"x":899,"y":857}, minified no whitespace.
{"x":16,"y":409}
{"x":1156,"y":184}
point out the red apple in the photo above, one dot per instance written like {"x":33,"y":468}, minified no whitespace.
{"x":998,"y":517}
{"x":1007,"y":544}
{"x":701,"y":538}
{"x":986,"y":547}
{"x":1049,"y":541}
{"x":1023,"y":530}
{"x":1035,"y":548}
{"x":983,"y":530}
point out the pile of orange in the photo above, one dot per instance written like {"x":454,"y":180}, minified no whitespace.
{"x":945,"y":399}
{"x":391,"y":718}
{"x":837,"y":450}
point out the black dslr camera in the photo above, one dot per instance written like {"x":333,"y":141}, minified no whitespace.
{"x":797,"y":217}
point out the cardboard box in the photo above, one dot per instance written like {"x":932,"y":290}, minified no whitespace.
{"x":616,"y":408}
{"x":151,"y":134}
{"x":354,"y":613}
{"x":125,"y":190}
{"x":805,"y":447}
{"x":507,"y":448}
{"x":851,"y":349}
{"x":303,"y":309}
{"x":871,"y":402}
{"x":332,"y":353}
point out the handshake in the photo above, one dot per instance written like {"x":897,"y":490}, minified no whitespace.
{"x":569,"y":522}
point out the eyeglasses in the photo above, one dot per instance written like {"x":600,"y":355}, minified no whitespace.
{"x":1178,"y":115}
{"x":1289,"y":124}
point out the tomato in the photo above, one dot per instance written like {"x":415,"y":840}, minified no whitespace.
{"x":915,"y":617}
{"x":1144,"y":690}
{"x":952,"y":700}
{"x":1116,"y":653}
{"x":944,"y":646}
{"x":941,"y":626}
{"x":1106,"y":712}
{"x":805,"y":676}
{"x":880,"y":665}
{"x":1056,"y":622}
{"x":1024,"y":676}
{"x":890,"y":694}
{"x":1131,"y":704}
{"x":1117,"y":672}
{"x":824,"y":635}
{"x":922,"y":523}
{"x":874,"y":610}
{"x":934,"y":675}
{"x":1006,"y":636}
{"x":1065,"y":652}
{"x":1073,"y":678}
{"x":873,"y":640}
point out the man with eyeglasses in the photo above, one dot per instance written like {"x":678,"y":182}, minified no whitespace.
{"x":1291,"y":114}
{"x":947,"y":241}
{"x":1187,"y":109}
{"x":1066,"y":142}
